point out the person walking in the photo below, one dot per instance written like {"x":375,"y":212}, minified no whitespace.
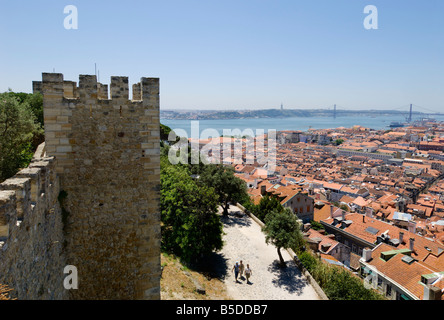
{"x":236,"y":271}
{"x":241,"y":270}
{"x":248,"y":273}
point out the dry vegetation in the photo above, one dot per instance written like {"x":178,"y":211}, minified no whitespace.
{"x":179,"y":282}
{"x":4,"y":292}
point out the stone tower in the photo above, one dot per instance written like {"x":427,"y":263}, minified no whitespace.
{"x":107,"y":155}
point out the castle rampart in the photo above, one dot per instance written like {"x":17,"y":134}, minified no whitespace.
{"x":31,"y":232}
{"x":102,"y":154}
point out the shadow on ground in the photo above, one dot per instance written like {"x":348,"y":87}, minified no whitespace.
{"x":236,"y":218}
{"x":288,"y":278}
{"x":213,"y":266}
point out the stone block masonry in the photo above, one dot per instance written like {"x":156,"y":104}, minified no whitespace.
{"x":32,"y":255}
{"x":107,"y":157}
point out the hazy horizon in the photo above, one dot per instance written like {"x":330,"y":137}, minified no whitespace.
{"x":302,"y":108}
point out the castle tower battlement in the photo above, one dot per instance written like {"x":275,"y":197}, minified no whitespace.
{"x":107,"y":155}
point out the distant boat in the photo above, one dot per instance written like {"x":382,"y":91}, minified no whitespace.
{"x":396,"y":124}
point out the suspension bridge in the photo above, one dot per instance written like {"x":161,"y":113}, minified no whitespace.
{"x":408,"y":111}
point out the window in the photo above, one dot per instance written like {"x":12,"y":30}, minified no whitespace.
{"x":379,"y":282}
{"x":388,"y":291}
{"x":354,"y":248}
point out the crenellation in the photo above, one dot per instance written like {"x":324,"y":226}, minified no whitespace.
{"x":70,"y":89}
{"x":87,"y":89}
{"x":37,"y":87}
{"x":22,"y":188}
{"x":137,"y":91}
{"x":53,"y":89}
{"x":55,"y":78}
{"x":34,"y":174}
{"x":119,"y":88}
{"x":91,"y":92}
{"x":102,"y":91}
{"x":150,"y":92}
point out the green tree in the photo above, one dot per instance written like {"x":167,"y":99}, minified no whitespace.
{"x":316,"y":226}
{"x":267,"y":205}
{"x":340,"y":284}
{"x":18,"y":128}
{"x":337,"y":282}
{"x":33,"y":100}
{"x":227,"y":186}
{"x":282,"y":230}
{"x":191,"y":227}
{"x":338,"y":142}
{"x":164,"y":132}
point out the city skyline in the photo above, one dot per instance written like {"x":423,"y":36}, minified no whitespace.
{"x":236,"y":56}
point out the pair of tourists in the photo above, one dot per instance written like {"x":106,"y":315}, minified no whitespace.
{"x":239,"y":269}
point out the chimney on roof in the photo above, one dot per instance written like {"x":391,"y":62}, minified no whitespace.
{"x":412,"y":226}
{"x":363,"y":218}
{"x":367,"y":254}
{"x":332,"y":209}
{"x":412,"y":244}
{"x":432,"y":293}
{"x":263,"y":190}
{"x":401,"y":237}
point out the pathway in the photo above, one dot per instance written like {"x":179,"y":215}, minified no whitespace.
{"x":245,"y":241}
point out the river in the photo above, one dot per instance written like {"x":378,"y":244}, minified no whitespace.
{"x":278,"y":124}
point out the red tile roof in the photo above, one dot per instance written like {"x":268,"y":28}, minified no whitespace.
{"x":422,"y":245}
{"x":407,"y":275}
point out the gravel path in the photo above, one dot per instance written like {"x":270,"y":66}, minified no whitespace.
{"x":245,"y":241}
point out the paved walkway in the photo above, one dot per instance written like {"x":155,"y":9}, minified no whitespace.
{"x":245,"y":241}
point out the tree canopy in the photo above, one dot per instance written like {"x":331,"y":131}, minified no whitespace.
{"x":227,"y":186}
{"x":266,"y":205}
{"x":282,"y":230}
{"x":19,"y":128}
{"x":191,"y":227}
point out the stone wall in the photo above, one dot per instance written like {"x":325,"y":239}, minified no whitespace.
{"x":108,"y":159}
{"x":32,"y":255}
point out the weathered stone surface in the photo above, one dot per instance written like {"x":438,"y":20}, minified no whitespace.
{"x":108,"y":186}
{"x":31,"y":254}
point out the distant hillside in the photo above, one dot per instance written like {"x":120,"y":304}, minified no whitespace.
{"x":272,"y":113}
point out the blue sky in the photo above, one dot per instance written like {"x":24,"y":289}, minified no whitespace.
{"x":214,"y":54}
